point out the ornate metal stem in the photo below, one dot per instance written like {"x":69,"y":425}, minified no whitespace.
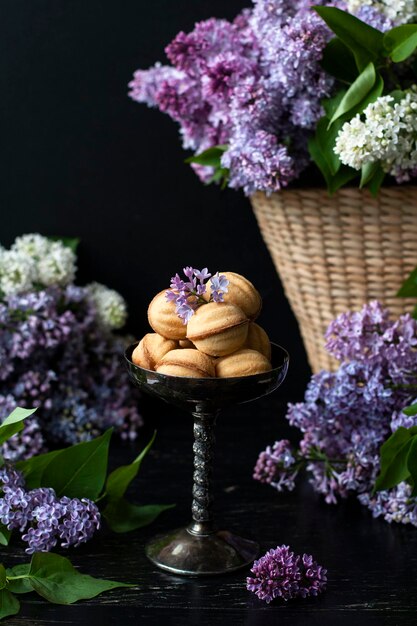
{"x":203,"y":459}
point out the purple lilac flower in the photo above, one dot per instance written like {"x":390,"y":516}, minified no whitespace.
{"x":346,"y":417}
{"x":369,"y":336}
{"x":80,"y":520}
{"x":256,"y":81}
{"x":282,"y":574}
{"x":219,"y":286}
{"x":210,"y":66}
{"x":258,"y":163}
{"x":298,"y":76}
{"x":10,"y":477}
{"x":348,"y":414}
{"x":44,"y":519}
{"x":53,"y":354}
{"x":277,"y":462}
{"x":395,"y":505}
{"x":370,"y":15}
{"x":188,"y":295}
{"x":30,"y":441}
{"x":399,"y":418}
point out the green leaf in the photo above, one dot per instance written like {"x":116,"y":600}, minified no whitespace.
{"x":5,"y":535}
{"x":410,"y":410}
{"x":9,"y":605}
{"x":79,"y":471}
{"x":3,"y":579}
{"x":122,"y":517}
{"x":365,"y":42}
{"x":412,"y":463}
{"x":317,"y":157}
{"x":371,"y":96}
{"x":14,"y":423}
{"x":343,"y":176}
{"x":326,"y":139}
{"x":210,"y":157}
{"x":330,"y":104}
{"x":333,"y":182}
{"x":393,"y":455}
{"x":398,"y":95}
{"x":338,"y":61}
{"x":33,"y":468}
{"x":54,"y":578}
{"x":119,"y":480}
{"x":221,"y":175}
{"x":356,"y":92}
{"x":401,"y":42}
{"x":21,"y":585}
{"x":376,"y":182}
{"x":368,"y":172}
{"x":68,"y":242}
{"x":409,"y":287}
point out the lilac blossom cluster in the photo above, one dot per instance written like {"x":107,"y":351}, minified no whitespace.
{"x":189,"y":295}
{"x":347,"y":415}
{"x":277,"y":462}
{"x":254,"y":85}
{"x":54,"y":354}
{"x":44,"y":519}
{"x":282,"y":574}
{"x":58,"y":352}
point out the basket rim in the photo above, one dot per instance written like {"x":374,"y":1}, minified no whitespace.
{"x":355,"y":190}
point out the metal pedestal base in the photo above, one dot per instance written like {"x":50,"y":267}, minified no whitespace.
{"x":189,"y":554}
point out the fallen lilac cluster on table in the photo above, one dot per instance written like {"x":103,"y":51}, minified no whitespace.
{"x":44,"y":519}
{"x":58,"y":350}
{"x":189,"y":295}
{"x":282,"y":574}
{"x":347,"y":415}
{"x":254,"y":86}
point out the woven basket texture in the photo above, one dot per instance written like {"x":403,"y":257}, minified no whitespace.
{"x":335,"y":253}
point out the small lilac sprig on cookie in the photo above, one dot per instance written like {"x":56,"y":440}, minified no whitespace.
{"x":190,"y":294}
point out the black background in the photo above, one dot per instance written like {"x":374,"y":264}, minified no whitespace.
{"x":80,"y":158}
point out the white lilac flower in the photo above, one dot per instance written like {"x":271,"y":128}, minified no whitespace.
{"x":17,"y":272}
{"x":386,"y":134}
{"x":33,"y":245}
{"x":110,"y":305}
{"x":57,"y":267}
{"x":398,"y":11}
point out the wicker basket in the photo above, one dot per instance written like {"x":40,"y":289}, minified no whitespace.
{"x":333,"y":254}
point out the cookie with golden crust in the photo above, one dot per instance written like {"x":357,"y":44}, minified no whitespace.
{"x":164,"y":319}
{"x":257,"y":339}
{"x":218,"y":328}
{"x":243,"y":294}
{"x":151,"y":348}
{"x":186,"y":343}
{"x":186,"y":362}
{"x":243,"y":362}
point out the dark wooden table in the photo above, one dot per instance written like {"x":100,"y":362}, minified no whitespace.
{"x":371,"y":565}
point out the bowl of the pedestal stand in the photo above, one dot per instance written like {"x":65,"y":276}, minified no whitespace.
{"x":200,"y":548}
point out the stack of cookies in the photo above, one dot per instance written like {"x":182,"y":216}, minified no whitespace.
{"x":221,"y":339}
